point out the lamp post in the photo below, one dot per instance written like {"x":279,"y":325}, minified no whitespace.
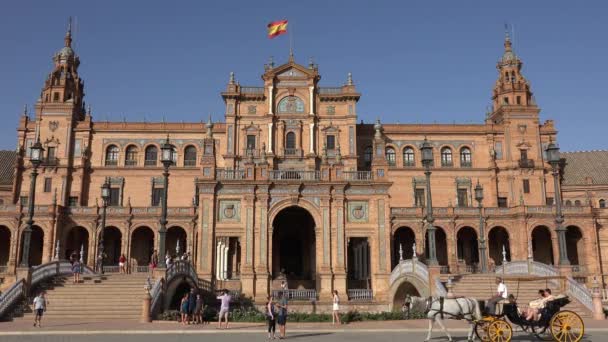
{"x":554,"y":158}
{"x":482,"y":239}
{"x":166,"y":157}
{"x":105,"y":197}
{"x":36,"y":159}
{"x":427,"y":160}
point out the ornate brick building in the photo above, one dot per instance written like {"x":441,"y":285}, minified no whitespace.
{"x":291,"y":186}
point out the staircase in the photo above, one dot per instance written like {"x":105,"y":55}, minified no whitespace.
{"x":483,"y":286}
{"x":112,"y":296}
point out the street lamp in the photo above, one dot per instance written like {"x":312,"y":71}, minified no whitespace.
{"x":427,"y":160}
{"x":482,"y":240}
{"x":166,"y":157}
{"x":36,"y":159}
{"x":554,"y":158}
{"x":105,"y":197}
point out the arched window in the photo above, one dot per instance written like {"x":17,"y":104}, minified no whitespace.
{"x":291,"y":104}
{"x":602,"y":203}
{"x":131,"y":156}
{"x":112,"y":155}
{"x":190,"y":156}
{"x":151,"y":156}
{"x":290,"y":141}
{"x":446,"y":157}
{"x":465,"y":157}
{"x":577,"y":203}
{"x":408,"y":157}
{"x":568,"y":203}
{"x":390,"y":156}
{"x":367,"y":156}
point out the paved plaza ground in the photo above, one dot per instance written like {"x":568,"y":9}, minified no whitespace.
{"x":94,"y":331}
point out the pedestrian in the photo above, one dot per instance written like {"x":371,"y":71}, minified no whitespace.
{"x":73,"y":257}
{"x":224,"y":308}
{"x":282,"y":318}
{"x":76,"y":271}
{"x":198,"y":310}
{"x":183,"y":308}
{"x":191,"y":305}
{"x":168,"y":260}
{"x":336,"y":309}
{"x":40,"y":304}
{"x":122,"y":264}
{"x":153,"y":262}
{"x":270,"y":315}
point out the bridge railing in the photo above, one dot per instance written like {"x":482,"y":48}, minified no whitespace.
{"x":11,"y":297}
{"x":363,"y":295}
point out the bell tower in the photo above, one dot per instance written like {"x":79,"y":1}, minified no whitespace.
{"x":63,"y":90}
{"x":511,"y":90}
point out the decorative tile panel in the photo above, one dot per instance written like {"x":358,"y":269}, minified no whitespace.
{"x":340,"y":236}
{"x":326,"y":237}
{"x":381,"y":237}
{"x":249,"y":235}
{"x":205,"y":232}
{"x":229,"y":210}
{"x":358,"y":211}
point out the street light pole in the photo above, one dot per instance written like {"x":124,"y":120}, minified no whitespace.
{"x":482,"y":239}
{"x":167,"y":160}
{"x":427,"y":160}
{"x":105,"y":197}
{"x":36,"y":160}
{"x":554,"y":159}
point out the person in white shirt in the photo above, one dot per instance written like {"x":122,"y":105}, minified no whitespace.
{"x":501,"y":293}
{"x":40,"y":304}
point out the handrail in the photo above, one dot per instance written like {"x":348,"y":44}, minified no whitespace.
{"x":15,"y":293}
{"x":439,"y":288}
{"x":181,"y":267}
{"x":580,"y":292}
{"x":410,"y":266}
{"x":156,"y":293}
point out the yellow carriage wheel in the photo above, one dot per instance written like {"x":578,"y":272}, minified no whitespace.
{"x":567,"y":326}
{"x":481,"y":330}
{"x":500,"y":331}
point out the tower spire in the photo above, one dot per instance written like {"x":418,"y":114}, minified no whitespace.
{"x":68,"y":34}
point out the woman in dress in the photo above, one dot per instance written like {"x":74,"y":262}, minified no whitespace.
{"x":271,"y":314}
{"x":122,"y":264}
{"x":183,"y":306}
{"x":336,"y":309}
{"x":76,"y":271}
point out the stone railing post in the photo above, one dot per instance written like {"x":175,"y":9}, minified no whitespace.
{"x":596,"y":294}
{"x":145,"y":306}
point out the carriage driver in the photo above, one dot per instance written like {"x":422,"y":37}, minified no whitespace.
{"x":501,"y":294}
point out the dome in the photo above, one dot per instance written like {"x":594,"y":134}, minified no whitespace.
{"x":509,"y":57}
{"x":66,"y":52}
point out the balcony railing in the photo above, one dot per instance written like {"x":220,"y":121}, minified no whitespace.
{"x":292,"y":152}
{"x":229,"y":174}
{"x":50,"y":161}
{"x":293,"y":175}
{"x":360,"y":295}
{"x":293,"y":294}
{"x":111,"y":162}
{"x":357,"y":175}
{"x":131,"y":162}
{"x":526,"y":163}
{"x":150,"y":162}
{"x":330,"y":90}
{"x":252,"y":90}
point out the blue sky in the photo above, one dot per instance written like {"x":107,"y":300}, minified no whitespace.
{"x":413,"y":61}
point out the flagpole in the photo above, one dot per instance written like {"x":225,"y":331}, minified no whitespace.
{"x":290,"y":41}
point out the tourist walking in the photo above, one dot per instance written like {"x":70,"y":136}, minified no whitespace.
{"x":153,"y":262}
{"x":282,"y":317}
{"x":336,"y":309}
{"x":198,"y":310}
{"x":191,"y":305}
{"x":270,"y":315}
{"x":224,"y":308}
{"x":122,"y":264}
{"x":168,"y":260}
{"x":40,"y":304}
{"x":183,"y":308}
{"x":76,"y":270}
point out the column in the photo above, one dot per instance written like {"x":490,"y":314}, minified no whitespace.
{"x":339,"y":266}
{"x":312,"y":138}
{"x":270,"y":137}
{"x":217,"y":260}
{"x":206,"y":247}
{"x":312,"y":99}
{"x":280,"y":137}
{"x":262,"y":279}
{"x":323,"y":252}
{"x":247,"y":269}
{"x":225,"y":268}
{"x":270,"y":100}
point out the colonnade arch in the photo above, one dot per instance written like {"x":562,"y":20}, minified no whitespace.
{"x":5,"y":245}
{"x":575,"y":245}
{"x":77,"y":239}
{"x":441,"y":246}
{"x":142,"y":245}
{"x":403,"y":239}
{"x":542,"y":246}
{"x":498,"y":237}
{"x":36,"y":246}
{"x":175,"y":234}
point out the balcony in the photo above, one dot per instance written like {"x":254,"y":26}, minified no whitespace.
{"x":229,"y":174}
{"x":293,"y":175}
{"x":50,"y":161}
{"x":150,"y":162}
{"x":330,"y":90}
{"x":131,"y":162}
{"x":360,"y":295}
{"x":292,"y":152}
{"x":355,"y":176}
{"x":526,"y":163}
{"x":252,"y":90}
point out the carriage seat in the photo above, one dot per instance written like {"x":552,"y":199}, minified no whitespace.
{"x":500,"y":307}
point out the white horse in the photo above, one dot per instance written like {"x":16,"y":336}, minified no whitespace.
{"x":452,"y":308}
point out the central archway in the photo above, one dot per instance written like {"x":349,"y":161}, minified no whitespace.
{"x":293,"y":247}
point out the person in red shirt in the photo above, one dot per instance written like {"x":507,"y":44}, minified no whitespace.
{"x":122,"y":264}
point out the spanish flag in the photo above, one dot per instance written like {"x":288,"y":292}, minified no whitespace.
{"x":277,"y":28}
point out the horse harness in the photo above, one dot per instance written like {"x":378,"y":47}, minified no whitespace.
{"x":441,"y":312}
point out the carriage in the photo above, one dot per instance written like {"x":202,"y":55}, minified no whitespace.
{"x":554,"y":324}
